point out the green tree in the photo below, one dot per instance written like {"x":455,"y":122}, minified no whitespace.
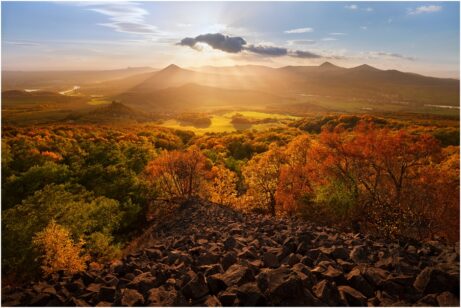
{"x":70,"y":206}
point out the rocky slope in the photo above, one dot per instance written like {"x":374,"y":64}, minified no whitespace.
{"x":210,"y":255}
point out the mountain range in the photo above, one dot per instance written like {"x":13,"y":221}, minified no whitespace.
{"x":178,"y":89}
{"x":175,"y":87}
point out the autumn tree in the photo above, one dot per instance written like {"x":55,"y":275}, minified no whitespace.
{"x":294,"y":188}
{"x":58,"y":251}
{"x":379,"y":168}
{"x":72,"y":207}
{"x":221,"y":186}
{"x":436,"y":197}
{"x":261,"y":175}
{"x":178,"y":174}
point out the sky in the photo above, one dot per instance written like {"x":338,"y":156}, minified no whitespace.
{"x":420,"y":37}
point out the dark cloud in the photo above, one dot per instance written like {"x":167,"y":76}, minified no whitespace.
{"x":236,"y":44}
{"x":304,"y":54}
{"x":267,"y":50}
{"x":231,"y":44}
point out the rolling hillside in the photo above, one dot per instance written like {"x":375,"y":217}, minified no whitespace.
{"x":361,"y":83}
{"x":192,"y":97}
{"x":325,"y":87}
{"x":60,"y":80}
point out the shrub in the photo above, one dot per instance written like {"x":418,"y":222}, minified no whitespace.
{"x":58,"y":251}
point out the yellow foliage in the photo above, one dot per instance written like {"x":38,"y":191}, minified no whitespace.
{"x":222,"y":186}
{"x":58,"y":250}
{"x":262,"y":174}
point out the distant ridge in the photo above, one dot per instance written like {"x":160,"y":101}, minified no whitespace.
{"x":116,"y":111}
{"x":249,"y":85}
{"x":328,"y":65}
{"x":171,"y":67}
{"x":365,"y":67}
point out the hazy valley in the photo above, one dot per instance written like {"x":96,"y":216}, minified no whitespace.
{"x":56,"y":96}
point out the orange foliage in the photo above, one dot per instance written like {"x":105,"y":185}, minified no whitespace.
{"x":178,"y":174}
{"x":385,"y":171}
{"x":294,"y":181}
{"x":262,"y":174}
{"x":52,"y":155}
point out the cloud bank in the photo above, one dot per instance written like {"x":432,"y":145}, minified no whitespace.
{"x":236,"y":44}
{"x":267,"y":50}
{"x":425,"y":9}
{"x":388,"y":55}
{"x":231,"y":44}
{"x":126,"y":17}
{"x":304,"y":54}
{"x":299,"y":30}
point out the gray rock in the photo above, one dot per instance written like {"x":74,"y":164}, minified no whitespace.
{"x":212,"y":301}
{"x":207,"y":259}
{"x":143,"y":282}
{"x":229,"y":243}
{"x":153,"y":254}
{"x":250,"y":295}
{"x":107,"y":294}
{"x":270,"y":260}
{"x":228,"y":297}
{"x":358,"y":254}
{"x":228,"y":259}
{"x":431,"y":280}
{"x":165,"y":297}
{"x":351,"y":296}
{"x":447,"y":299}
{"x":327,"y":292}
{"x":358,"y":282}
{"x":131,"y":297}
{"x":284,"y":287}
{"x":196,"y":287}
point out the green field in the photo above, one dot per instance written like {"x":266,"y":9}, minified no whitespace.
{"x":98,"y":101}
{"x":257,"y":115}
{"x":222,"y":123}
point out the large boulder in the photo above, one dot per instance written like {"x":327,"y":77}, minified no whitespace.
{"x":131,"y":297}
{"x":355,"y":279}
{"x":358,"y":254}
{"x":196,"y":288}
{"x":165,"y":296}
{"x":236,"y":274}
{"x":447,"y":299}
{"x":249,"y":294}
{"x":229,"y":259}
{"x":351,"y":296}
{"x":270,"y":260}
{"x":107,"y":294}
{"x":431,"y":280}
{"x":283,"y":286}
{"x":143,"y":282}
{"x":327,"y":292}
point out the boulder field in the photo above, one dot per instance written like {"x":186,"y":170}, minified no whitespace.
{"x":210,"y":255}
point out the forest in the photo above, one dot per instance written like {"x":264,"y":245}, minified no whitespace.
{"x":75,"y":195}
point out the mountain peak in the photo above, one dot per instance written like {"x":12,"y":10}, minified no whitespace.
{"x":172,"y":67}
{"x":328,"y":65}
{"x":365,"y":67}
